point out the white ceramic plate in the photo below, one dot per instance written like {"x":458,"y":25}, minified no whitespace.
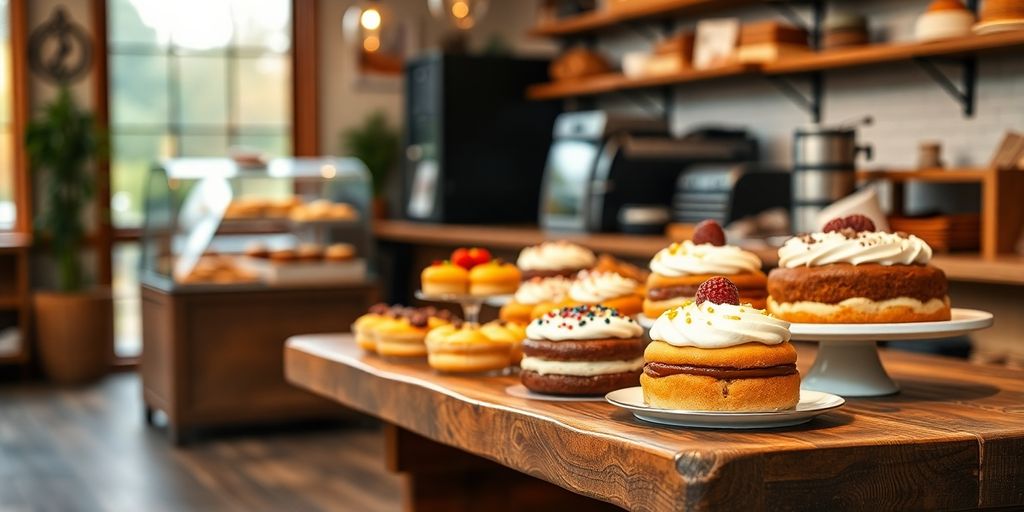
{"x":520,"y":391}
{"x":812,"y":403}
{"x":962,"y":322}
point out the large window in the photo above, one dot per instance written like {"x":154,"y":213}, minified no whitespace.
{"x":194,"y":78}
{"x":7,"y":205}
{"x":188,"y":78}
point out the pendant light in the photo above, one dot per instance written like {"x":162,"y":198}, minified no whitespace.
{"x":363,"y":22}
{"x":462,"y":14}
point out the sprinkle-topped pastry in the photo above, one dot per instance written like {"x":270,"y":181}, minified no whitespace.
{"x":582,"y":350}
{"x":851,"y":273}
{"x":678,"y":269}
{"x":718,"y":354}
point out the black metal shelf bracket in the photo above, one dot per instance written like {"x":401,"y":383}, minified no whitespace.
{"x":809,"y":102}
{"x":966,"y":93}
{"x":813,"y":27}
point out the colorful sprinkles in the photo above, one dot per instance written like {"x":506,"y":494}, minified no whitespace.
{"x":570,"y":317}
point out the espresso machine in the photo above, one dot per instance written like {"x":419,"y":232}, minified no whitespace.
{"x":824,"y":169}
{"x":604,"y":169}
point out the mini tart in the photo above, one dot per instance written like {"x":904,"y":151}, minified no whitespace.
{"x":750,"y":377}
{"x":512,"y":333}
{"x":363,"y":327}
{"x":399,"y":338}
{"x":494,"y":278}
{"x":339,"y":252}
{"x":516,"y":312}
{"x":868,"y":293}
{"x":664,"y":293}
{"x":466,"y":350}
{"x":444,"y":278}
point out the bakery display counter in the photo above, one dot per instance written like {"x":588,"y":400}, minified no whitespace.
{"x":952,"y":439}
{"x":236,"y":259}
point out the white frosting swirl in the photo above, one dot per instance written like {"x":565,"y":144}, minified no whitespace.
{"x":818,"y":249}
{"x":711,"y":325}
{"x":543,"y":289}
{"x":558,"y":255}
{"x":594,"y":287}
{"x":583,"y":323}
{"x":689,"y":258}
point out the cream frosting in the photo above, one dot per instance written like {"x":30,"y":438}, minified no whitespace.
{"x":558,"y":255}
{"x":861,"y":304}
{"x":710,"y":325}
{"x":583,"y":323}
{"x":594,"y":287}
{"x":688,"y":258}
{"x":817,"y":249}
{"x":543,"y":289}
{"x":580,"y":368}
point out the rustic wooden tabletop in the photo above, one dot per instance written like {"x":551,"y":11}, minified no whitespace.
{"x":952,"y":439}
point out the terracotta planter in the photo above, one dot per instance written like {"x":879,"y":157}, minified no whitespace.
{"x":75,"y":333}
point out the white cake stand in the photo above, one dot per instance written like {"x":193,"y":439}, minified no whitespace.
{"x":847,"y":363}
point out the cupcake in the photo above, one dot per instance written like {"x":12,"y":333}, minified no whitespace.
{"x":444,"y":277}
{"x":546,"y":292}
{"x":494,"y":278}
{"x":677,"y":270}
{"x":512,"y":333}
{"x":585,"y":350}
{"x":607,"y":288}
{"x":550,"y":259}
{"x":850,"y":273}
{"x":715,"y":354}
{"x":465,"y":350}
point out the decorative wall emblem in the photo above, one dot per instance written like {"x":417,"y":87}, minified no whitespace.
{"x":59,"y":50}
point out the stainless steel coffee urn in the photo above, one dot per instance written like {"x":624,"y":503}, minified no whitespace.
{"x":824,"y":165}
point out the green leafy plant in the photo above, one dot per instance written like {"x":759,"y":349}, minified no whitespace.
{"x":374,"y":142}
{"x":61,"y":142}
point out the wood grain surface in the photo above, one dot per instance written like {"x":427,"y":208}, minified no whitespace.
{"x":953,"y":439}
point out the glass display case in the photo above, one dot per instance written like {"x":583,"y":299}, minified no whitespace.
{"x":215,"y":222}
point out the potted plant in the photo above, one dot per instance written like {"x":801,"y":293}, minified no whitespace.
{"x":375,"y":142}
{"x":74,"y":324}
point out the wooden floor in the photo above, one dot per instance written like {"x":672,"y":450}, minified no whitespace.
{"x":89,"y":450}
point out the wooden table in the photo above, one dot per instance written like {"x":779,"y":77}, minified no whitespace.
{"x":953,"y":439}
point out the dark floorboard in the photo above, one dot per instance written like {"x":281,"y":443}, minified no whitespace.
{"x":89,"y":449}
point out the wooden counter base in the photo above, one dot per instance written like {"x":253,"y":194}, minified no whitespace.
{"x":953,"y":439}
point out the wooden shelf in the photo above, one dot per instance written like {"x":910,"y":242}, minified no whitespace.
{"x":1002,"y":212}
{"x":604,"y":84}
{"x":1007,"y":270}
{"x":962,"y":175}
{"x":893,"y":52}
{"x":517,"y":237}
{"x":821,"y":61}
{"x":600,"y":19}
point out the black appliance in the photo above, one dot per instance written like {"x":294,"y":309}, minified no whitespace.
{"x":474,"y":146}
{"x":601,"y":162}
{"x":726,"y":192}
